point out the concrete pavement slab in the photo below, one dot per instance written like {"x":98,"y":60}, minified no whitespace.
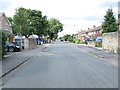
{"x":14,"y":60}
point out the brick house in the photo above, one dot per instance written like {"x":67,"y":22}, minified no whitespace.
{"x":82,"y":35}
{"x":95,"y":32}
{"x":90,"y":33}
{"x":5,"y":25}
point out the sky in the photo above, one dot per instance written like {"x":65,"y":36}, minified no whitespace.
{"x":75,"y":15}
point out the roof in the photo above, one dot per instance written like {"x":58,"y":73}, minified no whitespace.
{"x":8,"y":33}
{"x":95,"y":29}
{"x":3,"y":14}
{"x":19,"y":37}
{"x":33,"y":36}
{"x":90,"y":30}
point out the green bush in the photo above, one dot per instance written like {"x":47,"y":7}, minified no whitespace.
{"x":77,"y":41}
{"x":98,"y":45}
{"x":81,"y":42}
{"x":3,"y":39}
{"x":73,"y":40}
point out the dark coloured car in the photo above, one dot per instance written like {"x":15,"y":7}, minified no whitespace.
{"x":12,"y":47}
{"x":61,"y":40}
{"x":18,"y":43}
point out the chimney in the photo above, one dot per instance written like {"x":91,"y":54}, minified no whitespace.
{"x":88,"y":28}
{"x":94,"y":26}
{"x":102,"y":23}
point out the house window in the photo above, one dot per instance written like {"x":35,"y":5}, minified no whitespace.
{"x":6,"y":26}
{"x":0,"y":25}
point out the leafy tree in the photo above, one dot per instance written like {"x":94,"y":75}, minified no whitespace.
{"x":67,"y":37}
{"x":110,"y":24}
{"x":54,"y":28}
{"x":39,"y":22}
{"x":10,"y":19}
{"x":27,"y":22}
{"x":22,"y":22}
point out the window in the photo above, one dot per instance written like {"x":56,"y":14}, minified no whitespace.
{"x":0,"y":25}
{"x":6,"y":26}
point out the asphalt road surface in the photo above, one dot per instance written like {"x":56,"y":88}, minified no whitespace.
{"x":61,"y":65}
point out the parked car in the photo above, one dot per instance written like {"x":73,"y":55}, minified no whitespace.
{"x":98,"y":39}
{"x":61,"y":40}
{"x":12,"y":47}
{"x":18,"y":43}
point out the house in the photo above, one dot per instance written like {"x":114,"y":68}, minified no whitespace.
{"x":90,"y":33}
{"x":6,"y":26}
{"x":82,"y":35}
{"x":94,"y":32}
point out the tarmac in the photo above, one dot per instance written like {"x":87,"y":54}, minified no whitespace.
{"x":14,"y":60}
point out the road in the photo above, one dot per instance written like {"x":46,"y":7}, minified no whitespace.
{"x":62,"y":65}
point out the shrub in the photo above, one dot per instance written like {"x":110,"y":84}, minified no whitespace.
{"x":73,"y":40}
{"x":3,"y":39}
{"x":98,"y":45}
{"x":77,"y":41}
{"x":81,"y":42}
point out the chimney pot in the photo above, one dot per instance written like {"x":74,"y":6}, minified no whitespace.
{"x":102,"y":23}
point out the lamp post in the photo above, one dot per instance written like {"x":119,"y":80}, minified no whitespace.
{"x":20,"y":36}
{"x":76,"y":29}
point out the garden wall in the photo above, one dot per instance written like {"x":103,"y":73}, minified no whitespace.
{"x":30,"y":43}
{"x":111,"y":42}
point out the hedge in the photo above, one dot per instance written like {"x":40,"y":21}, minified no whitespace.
{"x":3,"y":39}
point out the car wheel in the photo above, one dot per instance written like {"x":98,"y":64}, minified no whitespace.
{"x":11,"y":49}
{"x":6,"y":49}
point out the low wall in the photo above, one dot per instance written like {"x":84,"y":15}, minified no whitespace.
{"x":94,"y":43}
{"x":91,"y":43}
{"x":30,"y":43}
{"x":111,"y":42}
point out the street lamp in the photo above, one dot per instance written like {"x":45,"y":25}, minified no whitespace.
{"x":20,"y":36}
{"x":76,"y":29}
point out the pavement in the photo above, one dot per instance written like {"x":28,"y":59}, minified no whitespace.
{"x":13,"y":60}
{"x":107,"y":56}
{"x":63,"y":65}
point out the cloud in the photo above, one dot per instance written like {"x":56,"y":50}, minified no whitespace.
{"x":110,"y":4}
{"x":93,"y":18}
{"x":82,"y":13}
{"x":4,"y":4}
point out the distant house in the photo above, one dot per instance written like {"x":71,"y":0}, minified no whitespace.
{"x":95,"y":32}
{"x":6,"y":26}
{"x":90,"y":33}
{"x":82,"y":35}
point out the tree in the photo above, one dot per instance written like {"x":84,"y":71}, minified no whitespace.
{"x":10,"y":19}
{"x":28,"y":22}
{"x":22,"y":22}
{"x":38,"y":21}
{"x":54,"y":28}
{"x":67,"y":37}
{"x":110,"y":24}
